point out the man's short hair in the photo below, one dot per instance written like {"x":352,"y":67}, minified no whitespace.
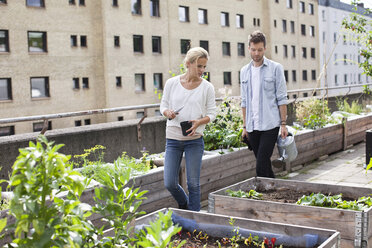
{"x":257,"y":37}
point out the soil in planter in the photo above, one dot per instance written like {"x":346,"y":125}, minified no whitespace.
{"x":202,"y":240}
{"x":287,"y":195}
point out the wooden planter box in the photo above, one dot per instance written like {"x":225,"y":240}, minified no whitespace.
{"x":326,"y":238}
{"x":355,"y":227}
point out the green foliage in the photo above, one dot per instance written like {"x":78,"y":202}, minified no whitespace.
{"x":43,"y":218}
{"x":355,"y":107}
{"x":98,"y":170}
{"x":313,"y":113}
{"x":159,"y":233}
{"x":335,"y":201}
{"x":367,"y":90}
{"x":93,"y":155}
{"x":356,"y":24}
{"x":242,"y":194}
{"x":225,"y":131}
{"x":48,"y":211}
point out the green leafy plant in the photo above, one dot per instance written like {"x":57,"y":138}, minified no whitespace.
{"x":313,"y":113}
{"x":226,"y":130}
{"x":335,"y":201}
{"x":159,"y":233}
{"x":242,"y":194}
{"x":43,"y":217}
{"x":356,"y":25}
{"x":354,"y":108}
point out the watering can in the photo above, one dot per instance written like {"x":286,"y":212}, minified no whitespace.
{"x":287,"y":150}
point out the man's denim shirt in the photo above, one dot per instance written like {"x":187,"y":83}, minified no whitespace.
{"x":273,"y":92}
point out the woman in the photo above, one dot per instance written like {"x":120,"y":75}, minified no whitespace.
{"x":187,"y":97}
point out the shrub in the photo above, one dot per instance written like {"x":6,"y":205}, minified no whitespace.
{"x":354,"y":108}
{"x":312,"y":113}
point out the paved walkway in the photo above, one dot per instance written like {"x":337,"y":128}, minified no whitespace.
{"x":344,"y":168}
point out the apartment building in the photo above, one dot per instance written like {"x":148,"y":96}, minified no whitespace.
{"x":60,"y":56}
{"x":340,"y":48}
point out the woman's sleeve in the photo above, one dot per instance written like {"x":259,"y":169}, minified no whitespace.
{"x":211,"y":103}
{"x":164,"y":104}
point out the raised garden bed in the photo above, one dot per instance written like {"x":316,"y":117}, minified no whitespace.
{"x":218,"y":226}
{"x":355,"y":227}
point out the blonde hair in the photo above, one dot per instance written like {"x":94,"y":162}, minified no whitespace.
{"x":194,"y":54}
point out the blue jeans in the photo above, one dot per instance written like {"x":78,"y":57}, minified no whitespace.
{"x":174,"y":150}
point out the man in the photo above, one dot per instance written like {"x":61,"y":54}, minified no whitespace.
{"x":264,"y":103}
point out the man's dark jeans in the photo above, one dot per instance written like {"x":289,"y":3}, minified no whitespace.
{"x":263,"y":143}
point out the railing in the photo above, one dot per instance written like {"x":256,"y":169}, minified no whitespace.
{"x":145,"y":107}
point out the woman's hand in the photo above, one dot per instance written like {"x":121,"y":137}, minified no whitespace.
{"x":283,"y":131}
{"x":170,"y":114}
{"x":195,"y":125}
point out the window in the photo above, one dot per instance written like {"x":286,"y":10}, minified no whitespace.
{"x":78,"y":123}
{"x":38,"y":126}
{"x":311,"y":9}
{"x":345,"y":59}
{"x":4,"y":41}
{"x":8,"y":130}
{"x":136,"y":7}
{"x":302,"y":7}
{"x":39,"y":87}
{"x":255,"y":22}
{"x":154,"y":8}
{"x":239,"y":21}
{"x":277,"y":1}
{"x":276,"y":49}
{"x":120,"y":118}
{"x":37,"y":41}
{"x":87,"y":122}
{"x":118,"y":81}
{"x":258,"y":22}
{"x":157,"y":112}
{"x":82,"y":2}
{"x":85,"y":83}
{"x":139,"y":80}
{"x":71,"y":2}
{"x":345,"y":78}
{"x":285,"y":51}
{"x":117,"y":41}
{"x":156,"y":44}
{"x":335,"y":59}
{"x":225,"y":19}
{"x":183,"y":14}
{"x":312,"y":51}
{"x":204,"y":44}
{"x":274,"y":22}
{"x":76,"y":83}
{"x":202,"y":16}
{"x":345,"y":40}
{"x":323,"y":15}
{"x":334,"y":37}
{"x":312,"y":31}
{"x":304,"y":75}
{"x":3,"y":1}
{"x":294,"y":76}
{"x":227,"y":78}
{"x":336,"y":79}
{"x":73,"y":40}
{"x":140,"y":114}
{"x":158,"y":81}
{"x":289,"y":4}
{"x":293,"y":51}
{"x":292,"y":23}
{"x":286,"y":75}
{"x":313,"y":75}
{"x":35,"y":3}
{"x":241,"y":49}
{"x":185,"y":46}
{"x":284,"y":24}
{"x":115,"y":3}
{"x":83,"y":41}
{"x":226,"y":49}
{"x":304,"y":55}
{"x":5,"y":89}
{"x":303,"y":29}
{"x":324,"y":37}
{"x":138,"y":43}
{"x":305,"y":94}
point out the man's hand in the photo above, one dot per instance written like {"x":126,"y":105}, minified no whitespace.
{"x":283,"y":131}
